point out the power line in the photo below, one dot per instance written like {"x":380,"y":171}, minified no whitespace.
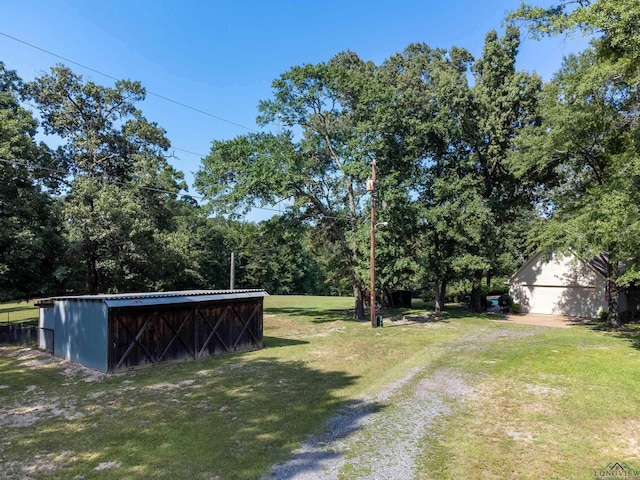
{"x":163,"y":97}
{"x":184,"y":105}
{"x":35,"y":107}
{"x":29,"y":166}
{"x":188,"y":151}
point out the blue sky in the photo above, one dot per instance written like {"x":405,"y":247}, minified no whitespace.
{"x":221,"y":57}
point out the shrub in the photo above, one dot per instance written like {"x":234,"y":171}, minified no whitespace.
{"x":427,"y":295}
{"x":505,"y":300}
{"x":453,"y":296}
{"x":626,"y":317}
{"x":516,"y":308}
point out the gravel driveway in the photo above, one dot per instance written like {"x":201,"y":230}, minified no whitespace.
{"x":379,"y":437}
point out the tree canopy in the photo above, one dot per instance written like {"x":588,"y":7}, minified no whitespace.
{"x":119,"y":192}
{"x":29,"y":230}
{"x":439,"y":144}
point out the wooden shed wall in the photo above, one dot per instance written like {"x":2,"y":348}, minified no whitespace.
{"x":155,"y":334}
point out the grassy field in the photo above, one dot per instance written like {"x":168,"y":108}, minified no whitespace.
{"x":18,"y":312}
{"x":551,"y":404}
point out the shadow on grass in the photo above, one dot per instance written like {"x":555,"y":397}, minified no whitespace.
{"x":227,"y":417}
{"x":23,"y":366}
{"x":633,"y":336}
{"x":452,"y":312}
{"x":630,"y":331}
{"x":272,"y":342}
{"x":461,"y":311}
{"x":317,"y":315}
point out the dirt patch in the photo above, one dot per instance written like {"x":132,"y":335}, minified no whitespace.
{"x":41,"y":464}
{"x":541,"y":389}
{"x":553,"y":321}
{"x":31,"y":358}
{"x":624,"y":439}
{"x":518,"y":436}
{"x":108,"y":465}
{"x":171,"y":386}
{"x":74,"y":370}
{"x":24,"y":416}
{"x":447,"y":383}
{"x":416,"y":319}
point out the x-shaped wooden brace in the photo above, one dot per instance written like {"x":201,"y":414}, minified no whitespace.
{"x":176,"y":334}
{"x":136,"y":341}
{"x":214,"y":331}
{"x":246,"y":325}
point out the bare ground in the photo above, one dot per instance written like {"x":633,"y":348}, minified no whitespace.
{"x":553,"y":321}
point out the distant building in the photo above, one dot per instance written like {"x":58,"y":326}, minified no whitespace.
{"x":562,"y":285}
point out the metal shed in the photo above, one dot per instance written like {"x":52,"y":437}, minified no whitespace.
{"x":115,"y":332}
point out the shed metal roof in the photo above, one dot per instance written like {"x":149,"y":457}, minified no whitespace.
{"x":161,"y":298}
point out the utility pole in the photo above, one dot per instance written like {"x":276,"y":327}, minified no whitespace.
{"x":371,"y":186}
{"x":232,"y":272}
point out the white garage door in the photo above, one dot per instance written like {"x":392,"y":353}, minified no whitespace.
{"x":572,"y":301}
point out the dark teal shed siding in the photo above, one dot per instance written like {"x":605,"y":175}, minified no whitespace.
{"x":81,"y":332}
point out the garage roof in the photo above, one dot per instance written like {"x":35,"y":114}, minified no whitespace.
{"x":161,"y":298}
{"x":598,"y":263}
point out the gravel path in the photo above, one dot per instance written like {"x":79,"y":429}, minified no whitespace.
{"x":379,"y":437}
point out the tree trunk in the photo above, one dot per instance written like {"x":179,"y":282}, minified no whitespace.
{"x":351,"y":253}
{"x":613,"y":319}
{"x":359,"y":306}
{"x":91,"y":260}
{"x":440,"y":292}
{"x":475,"y":302}
{"x":92,"y":269}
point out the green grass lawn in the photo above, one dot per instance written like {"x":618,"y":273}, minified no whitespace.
{"x":18,"y":312}
{"x":560,"y":405}
{"x":554,"y":404}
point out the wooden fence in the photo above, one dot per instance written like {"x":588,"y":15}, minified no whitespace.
{"x":25,"y":334}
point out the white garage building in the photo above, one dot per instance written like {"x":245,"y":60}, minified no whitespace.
{"x":561,"y":284}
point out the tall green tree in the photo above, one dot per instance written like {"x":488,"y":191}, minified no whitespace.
{"x":277,"y":258}
{"x":504,"y":101}
{"x":457,"y":137}
{"x":30,"y":244}
{"x":613,"y":22}
{"x":324,"y":171}
{"x":120,"y":192}
{"x":426,"y":125}
{"x":588,"y":142}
